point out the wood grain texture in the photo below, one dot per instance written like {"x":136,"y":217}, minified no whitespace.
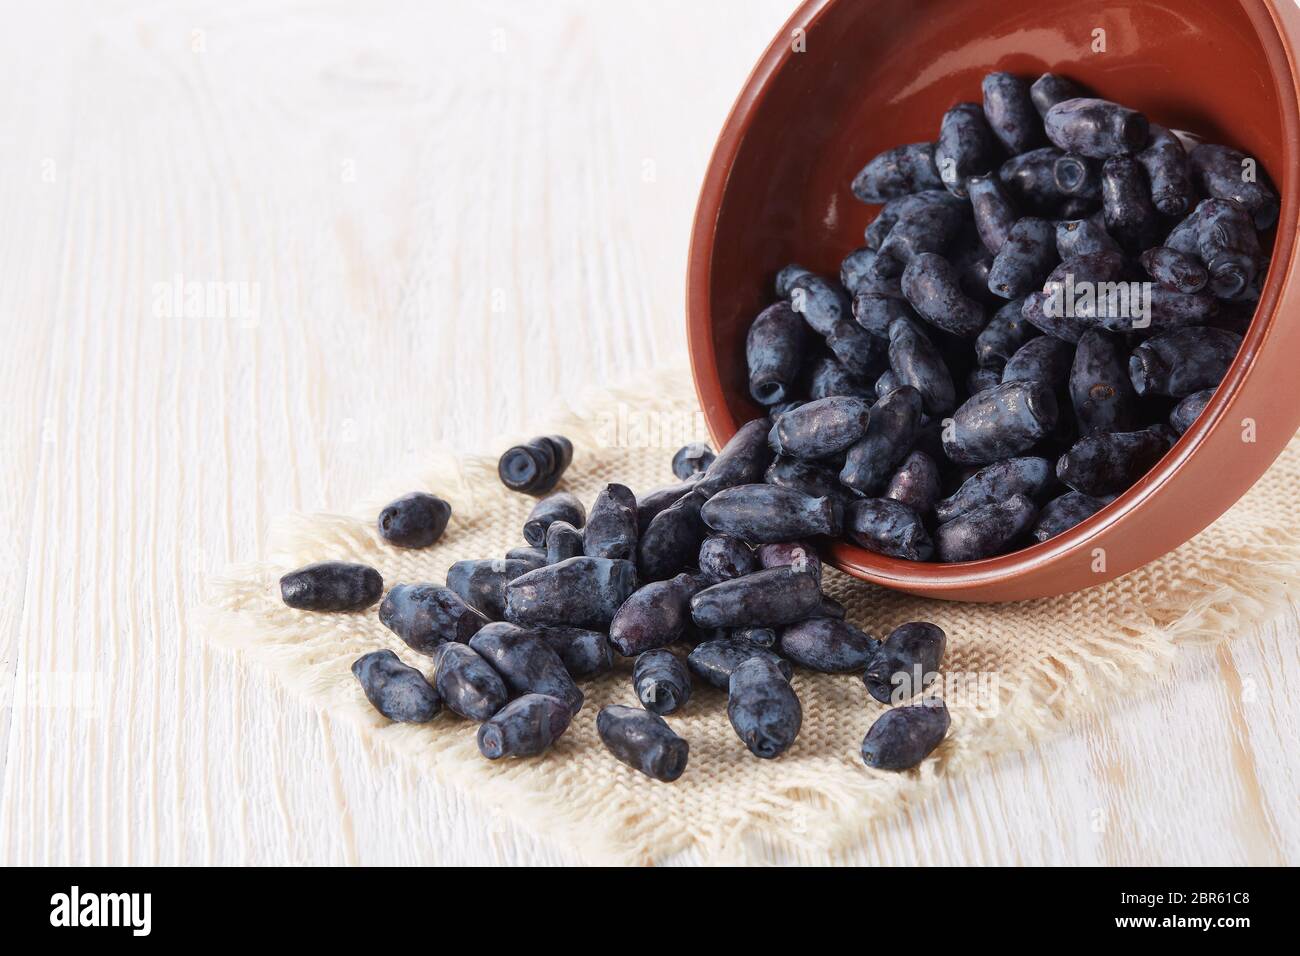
{"x":447,"y":214}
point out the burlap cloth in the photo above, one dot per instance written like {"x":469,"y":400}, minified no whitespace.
{"x":1025,"y":670}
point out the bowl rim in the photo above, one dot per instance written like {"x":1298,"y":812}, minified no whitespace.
{"x":934,"y":577}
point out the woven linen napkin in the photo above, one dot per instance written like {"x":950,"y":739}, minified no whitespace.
{"x":1014,"y":673}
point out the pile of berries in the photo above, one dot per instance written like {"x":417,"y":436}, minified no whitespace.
{"x":708,"y":580}
{"x":1047,"y":298}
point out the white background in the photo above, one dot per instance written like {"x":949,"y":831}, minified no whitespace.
{"x":449,"y":213}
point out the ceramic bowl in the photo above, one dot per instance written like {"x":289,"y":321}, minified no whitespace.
{"x":847,"y":78}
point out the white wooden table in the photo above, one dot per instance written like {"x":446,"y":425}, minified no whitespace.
{"x":441,"y":214}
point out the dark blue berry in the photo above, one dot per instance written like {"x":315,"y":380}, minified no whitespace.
{"x":928,"y":227}
{"x":584,"y":653}
{"x":997,"y":482}
{"x":535,"y":467}
{"x":662,"y":681}
{"x":579,"y":592}
{"x":561,"y":506}
{"x":875,"y":311}
{"x":1003,"y":335}
{"x":532,"y":557}
{"x":1063,"y":513}
{"x":822,"y":302}
{"x":809,"y":477}
{"x":671,"y":542}
{"x":933,"y":288}
{"x":468,"y":684}
{"x":985,"y":531}
{"x":906,"y":663}
{"x":481,"y":583}
{"x":715,"y":661}
{"x":767,"y":598}
{"x":798,"y":555}
{"x":612,"y":525}
{"x":904,"y":736}
{"x":1220,"y":172}
{"x":1106,"y":463}
{"x":742,"y":460}
{"x":425,"y":616}
{"x":764,"y":637}
{"x":331,"y":586}
{"x":1078,"y":176}
{"x":917,"y":483}
{"x":823,"y":427}
{"x":723,"y":557}
{"x":416,"y":520}
{"x":887,"y":527}
{"x":1183,"y":361}
{"x":1189,"y":409}
{"x":526,"y":663}
{"x":1173,"y":191}
{"x":525,"y":727}
{"x":563,"y":541}
{"x":1010,"y":112}
{"x":654,"y":615}
{"x":1082,"y":237}
{"x":1030,"y":180}
{"x":692,"y":459}
{"x":650,"y":504}
{"x":775,"y":353}
{"x":966,"y":147}
{"x":1100,"y":390}
{"x":1050,"y":89}
{"x":643,"y":741}
{"x":827,"y":645}
{"x":1044,"y":359}
{"x":827,"y":377}
{"x":1025,"y":260}
{"x":891,"y":431}
{"x":398,"y":692}
{"x":763,"y":708}
{"x":763,"y":514}
{"x":897,"y":172}
{"x":1096,"y":128}
{"x":916,"y":362}
{"x":1126,"y":202}
{"x":1177,"y":270}
{"x":993,"y":210}
{"x":1000,"y":422}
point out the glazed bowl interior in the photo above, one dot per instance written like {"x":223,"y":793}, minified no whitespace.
{"x":873,"y":74}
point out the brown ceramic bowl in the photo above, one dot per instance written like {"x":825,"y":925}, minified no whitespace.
{"x":876,"y":73}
